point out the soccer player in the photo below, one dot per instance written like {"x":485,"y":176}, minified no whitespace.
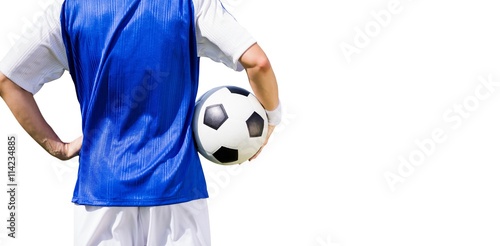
{"x":135,"y":67}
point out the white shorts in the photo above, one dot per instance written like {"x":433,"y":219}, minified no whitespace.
{"x":184,"y":224}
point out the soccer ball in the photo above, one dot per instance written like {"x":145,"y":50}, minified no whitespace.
{"x":229,"y":125}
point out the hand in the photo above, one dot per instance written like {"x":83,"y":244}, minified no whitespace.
{"x":73,"y":148}
{"x":25,"y":109}
{"x":270,"y":130}
{"x":66,"y":151}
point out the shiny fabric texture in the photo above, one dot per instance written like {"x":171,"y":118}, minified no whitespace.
{"x":135,"y":70}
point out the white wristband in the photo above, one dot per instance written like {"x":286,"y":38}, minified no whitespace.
{"x":274,"y":116}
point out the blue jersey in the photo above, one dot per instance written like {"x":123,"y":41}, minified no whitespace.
{"x":135,"y":68}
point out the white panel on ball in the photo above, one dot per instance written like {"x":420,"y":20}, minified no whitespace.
{"x":229,"y":125}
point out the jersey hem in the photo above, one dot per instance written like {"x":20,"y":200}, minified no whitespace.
{"x":136,"y":203}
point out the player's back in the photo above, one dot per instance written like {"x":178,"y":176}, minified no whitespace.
{"x":135,"y":69}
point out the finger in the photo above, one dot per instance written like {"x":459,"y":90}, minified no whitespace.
{"x":270,"y":130}
{"x":256,"y":154}
{"x":76,"y":145}
{"x":73,"y":148}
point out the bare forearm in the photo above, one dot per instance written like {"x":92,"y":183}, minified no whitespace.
{"x":263,"y":82}
{"x":26,"y":111}
{"x":261,"y":76}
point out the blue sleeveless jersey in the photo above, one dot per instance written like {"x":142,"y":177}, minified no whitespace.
{"x":135,"y":69}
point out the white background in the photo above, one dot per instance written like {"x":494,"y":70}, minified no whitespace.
{"x":322,"y":179}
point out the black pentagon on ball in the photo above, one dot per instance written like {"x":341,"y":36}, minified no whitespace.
{"x":226,"y":155}
{"x":238,"y":90}
{"x":255,"y":124}
{"x":215,"y":116}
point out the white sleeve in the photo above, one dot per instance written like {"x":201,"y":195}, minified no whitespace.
{"x":219,"y":36}
{"x":39,"y":56}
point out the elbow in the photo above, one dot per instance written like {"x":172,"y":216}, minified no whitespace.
{"x":259,"y":65}
{"x":263,"y":64}
{"x":255,"y":59}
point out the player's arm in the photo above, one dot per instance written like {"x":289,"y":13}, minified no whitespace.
{"x":261,"y":76}
{"x":264,"y":85}
{"x":221,"y":38}
{"x":26,"y":111}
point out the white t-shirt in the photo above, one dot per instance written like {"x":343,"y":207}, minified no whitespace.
{"x":42,"y":58}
